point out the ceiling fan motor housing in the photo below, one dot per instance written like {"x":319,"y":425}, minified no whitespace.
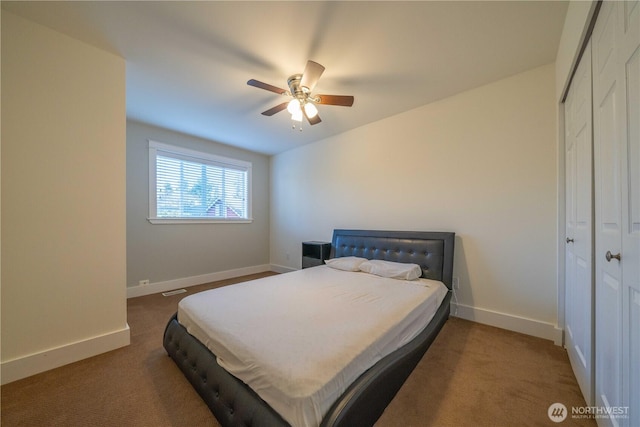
{"x":297,"y":91}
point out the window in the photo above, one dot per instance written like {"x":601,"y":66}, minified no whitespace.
{"x":188,"y":186}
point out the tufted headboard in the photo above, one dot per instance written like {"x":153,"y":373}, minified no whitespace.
{"x":431,"y":250}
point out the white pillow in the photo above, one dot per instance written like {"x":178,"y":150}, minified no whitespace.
{"x":394,"y":270}
{"x":347,"y":263}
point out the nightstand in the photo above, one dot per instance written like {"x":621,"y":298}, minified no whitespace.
{"x":314,"y":253}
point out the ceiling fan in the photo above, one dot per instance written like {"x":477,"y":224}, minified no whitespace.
{"x":303,"y":102}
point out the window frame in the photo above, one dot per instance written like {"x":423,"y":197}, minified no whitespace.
{"x":197,"y":156}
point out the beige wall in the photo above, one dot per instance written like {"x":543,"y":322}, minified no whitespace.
{"x":63,"y":199}
{"x":481,"y":164}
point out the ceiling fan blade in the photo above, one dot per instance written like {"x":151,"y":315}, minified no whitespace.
{"x":342,"y":100}
{"x":265,"y":86}
{"x":276,"y":109}
{"x":311,"y":75}
{"x":313,"y":120}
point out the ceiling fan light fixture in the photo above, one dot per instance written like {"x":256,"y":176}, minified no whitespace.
{"x":297,"y":116}
{"x":310,"y":110}
{"x":294,"y":107}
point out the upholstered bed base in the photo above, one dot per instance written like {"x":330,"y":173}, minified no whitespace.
{"x":235,"y":404}
{"x":230,"y":400}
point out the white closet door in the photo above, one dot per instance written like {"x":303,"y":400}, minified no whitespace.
{"x":616,"y":117}
{"x":629,"y":74}
{"x":607,"y":95}
{"x":579,"y":279}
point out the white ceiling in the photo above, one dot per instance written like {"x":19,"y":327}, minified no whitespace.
{"x":188,"y":62}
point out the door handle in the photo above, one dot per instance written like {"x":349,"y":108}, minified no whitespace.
{"x":609,"y":256}
{"x":569,"y":240}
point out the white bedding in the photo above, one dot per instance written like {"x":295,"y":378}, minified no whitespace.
{"x":299,"y":339}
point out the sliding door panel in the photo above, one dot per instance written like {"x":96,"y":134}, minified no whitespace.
{"x":579,"y":227}
{"x":629,"y":74}
{"x":608,"y":93}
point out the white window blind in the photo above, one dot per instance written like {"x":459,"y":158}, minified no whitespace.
{"x":191,"y":186}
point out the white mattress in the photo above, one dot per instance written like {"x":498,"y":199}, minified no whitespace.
{"x":299,"y":339}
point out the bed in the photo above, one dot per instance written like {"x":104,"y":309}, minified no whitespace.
{"x":362,"y":396}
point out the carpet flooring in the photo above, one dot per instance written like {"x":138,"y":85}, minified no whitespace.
{"x":473,"y":375}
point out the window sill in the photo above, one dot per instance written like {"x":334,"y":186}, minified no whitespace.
{"x":199,"y":221}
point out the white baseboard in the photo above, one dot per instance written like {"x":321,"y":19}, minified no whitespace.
{"x":16,"y":369}
{"x":510,"y":322}
{"x":184,"y":282}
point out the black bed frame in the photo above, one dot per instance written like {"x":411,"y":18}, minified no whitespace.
{"x":234,"y":404}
